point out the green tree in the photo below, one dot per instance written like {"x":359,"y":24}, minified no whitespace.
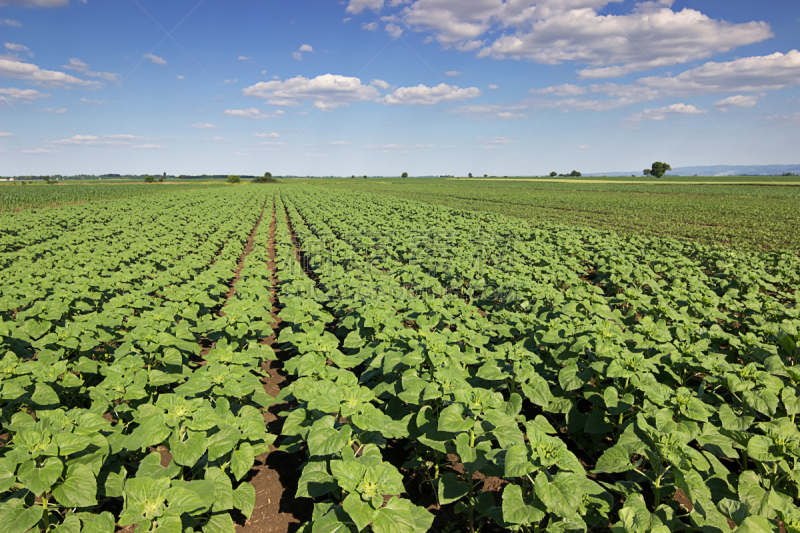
{"x":149,"y":179}
{"x":267,"y":174}
{"x":404,"y":175}
{"x":659,"y":169}
{"x":647,"y":172}
{"x":575,"y":174}
{"x":553,"y":174}
{"x":234,"y":179}
{"x":470,"y":174}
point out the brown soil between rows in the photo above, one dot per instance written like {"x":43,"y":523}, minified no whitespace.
{"x":275,"y":474}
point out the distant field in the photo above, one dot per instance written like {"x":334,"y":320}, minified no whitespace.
{"x":742,"y":212}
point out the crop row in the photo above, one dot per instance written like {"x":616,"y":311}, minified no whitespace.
{"x":592,"y":379}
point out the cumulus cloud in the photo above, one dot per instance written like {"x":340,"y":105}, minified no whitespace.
{"x":244,"y":58}
{"x":380,"y":84}
{"x":341,"y":143}
{"x":357,"y":6}
{"x":155,"y":59}
{"x":201,"y":126}
{"x":583,"y":147}
{"x":661,"y":113}
{"x":738,"y":101}
{"x":226,"y":82}
{"x":180,"y":77}
{"x":370,"y":26}
{"x":272,"y":135}
{"x":325,"y":91}
{"x":100,"y":140}
{"x":306,"y":48}
{"x":251,"y":113}
{"x":452,"y":73}
{"x":79,"y":66}
{"x":297,"y":55}
{"x":493,"y":86}
{"x":94,"y":102}
{"x":561,"y":90}
{"x":20,"y":95}
{"x":492,"y":111}
{"x":747,"y":74}
{"x":557,"y":31}
{"x":51,"y":110}
{"x":423,"y":95}
{"x":6,"y":134}
{"x":10,"y":22}
{"x":148,"y":146}
{"x":14,"y":47}
{"x":32,"y":73}
{"x":393,"y":30}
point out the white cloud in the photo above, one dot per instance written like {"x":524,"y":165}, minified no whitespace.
{"x":275,"y":77}
{"x":32,"y":73}
{"x":94,"y":102}
{"x":583,"y":147}
{"x":357,"y":6}
{"x":10,"y":22}
{"x":423,"y":95}
{"x":557,"y":31}
{"x":788,"y":120}
{"x":370,"y":26}
{"x":341,"y":143}
{"x":394,"y":30}
{"x":306,"y":48}
{"x":20,"y":95}
{"x":346,"y":20}
{"x":661,"y":113}
{"x":18,"y":48}
{"x":327,"y":90}
{"x":51,"y":110}
{"x":226,"y":82}
{"x":491,"y":111}
{"x":739,"y":101}
{"x":201,"y":126}
{"x":507,"y":115}
{"x":561,"y":90}
{"x":380,"y":84}
{"x":79,"y":66}
{"x":272,"y":135}
{"x":244,"y":58}
{"x":155,"y":59}
{"x":297,"y":55}
{"x":747,"y":74}
{"x":6,"y":134}
{"x":36,"y":150}
{"x":493,"y":86}
{"x":100,"y":140}
{"x":251,"y":113}
{"x":148,"y":146}
{"x":36,"y":3}
{"x":501,"y":140}
{"x":452,"y":73}
{"x":180,"y":77}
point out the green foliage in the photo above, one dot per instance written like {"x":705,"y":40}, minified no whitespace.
{"x":553,"y":174}
{"x":266,"y":178}
{"x":149,"y":179}
{"x":233,"y":179}
{"x":404,"y":175}
{"x":659,"y":169}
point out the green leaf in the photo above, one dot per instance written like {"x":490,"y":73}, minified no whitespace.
{"x":517,"y":511}
{"x":16,"y":518}
{"x":71,"y":524}
{"x":562,"y":494}
{"x":518,"y":462}
{"x":7,"y":476}
{"x":223,"y":442}
{"x":754,"y":496}
{"x":615,"y":459}
{"x":39,"y":480}
{"x":401,"y":516}
{"x":79,"y":489}
{"x":323,"y":439}
{"x":451,"y":420}
{"x":220,"y":523}
{"x":102,"y":523}
{"x":242,"y":460}
{"x":450,"y":488}
{"x":188,"y":452}
{"x":244,"y":499}
{"x":223,"y":489}
{"x":359,"y":511}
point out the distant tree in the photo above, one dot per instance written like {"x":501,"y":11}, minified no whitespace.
{"x":164,"y":176}
{"x":234,"y":179}
{"x":353,"y":176}
{"x":266,"y":178}
{"x":267,"y":174}
{"x":575,"y":174}
{"x":470,"y":174}
{"x":553,"y":174}
{"x":365,"y":176}
{"x":486,"y":175}
{"x":404,"y":175}
{"x":646,"y":172}
{"x":659,"y":169}
{"x":149,"y":179}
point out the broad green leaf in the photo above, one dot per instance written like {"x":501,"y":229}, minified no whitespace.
{"x":244,"y":499}
{"x":79,"y":489}
{"x":242,"y":460}
{"x":359,"y":511}
{"x":38,"y":480}
{"x":16,"y":518}
{"x":518,"y":511}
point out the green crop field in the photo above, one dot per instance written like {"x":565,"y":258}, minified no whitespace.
{"x":741,"y":212}
{"x":400,"y":356}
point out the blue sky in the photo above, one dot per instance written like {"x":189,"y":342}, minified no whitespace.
{"x":380,"y":87}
